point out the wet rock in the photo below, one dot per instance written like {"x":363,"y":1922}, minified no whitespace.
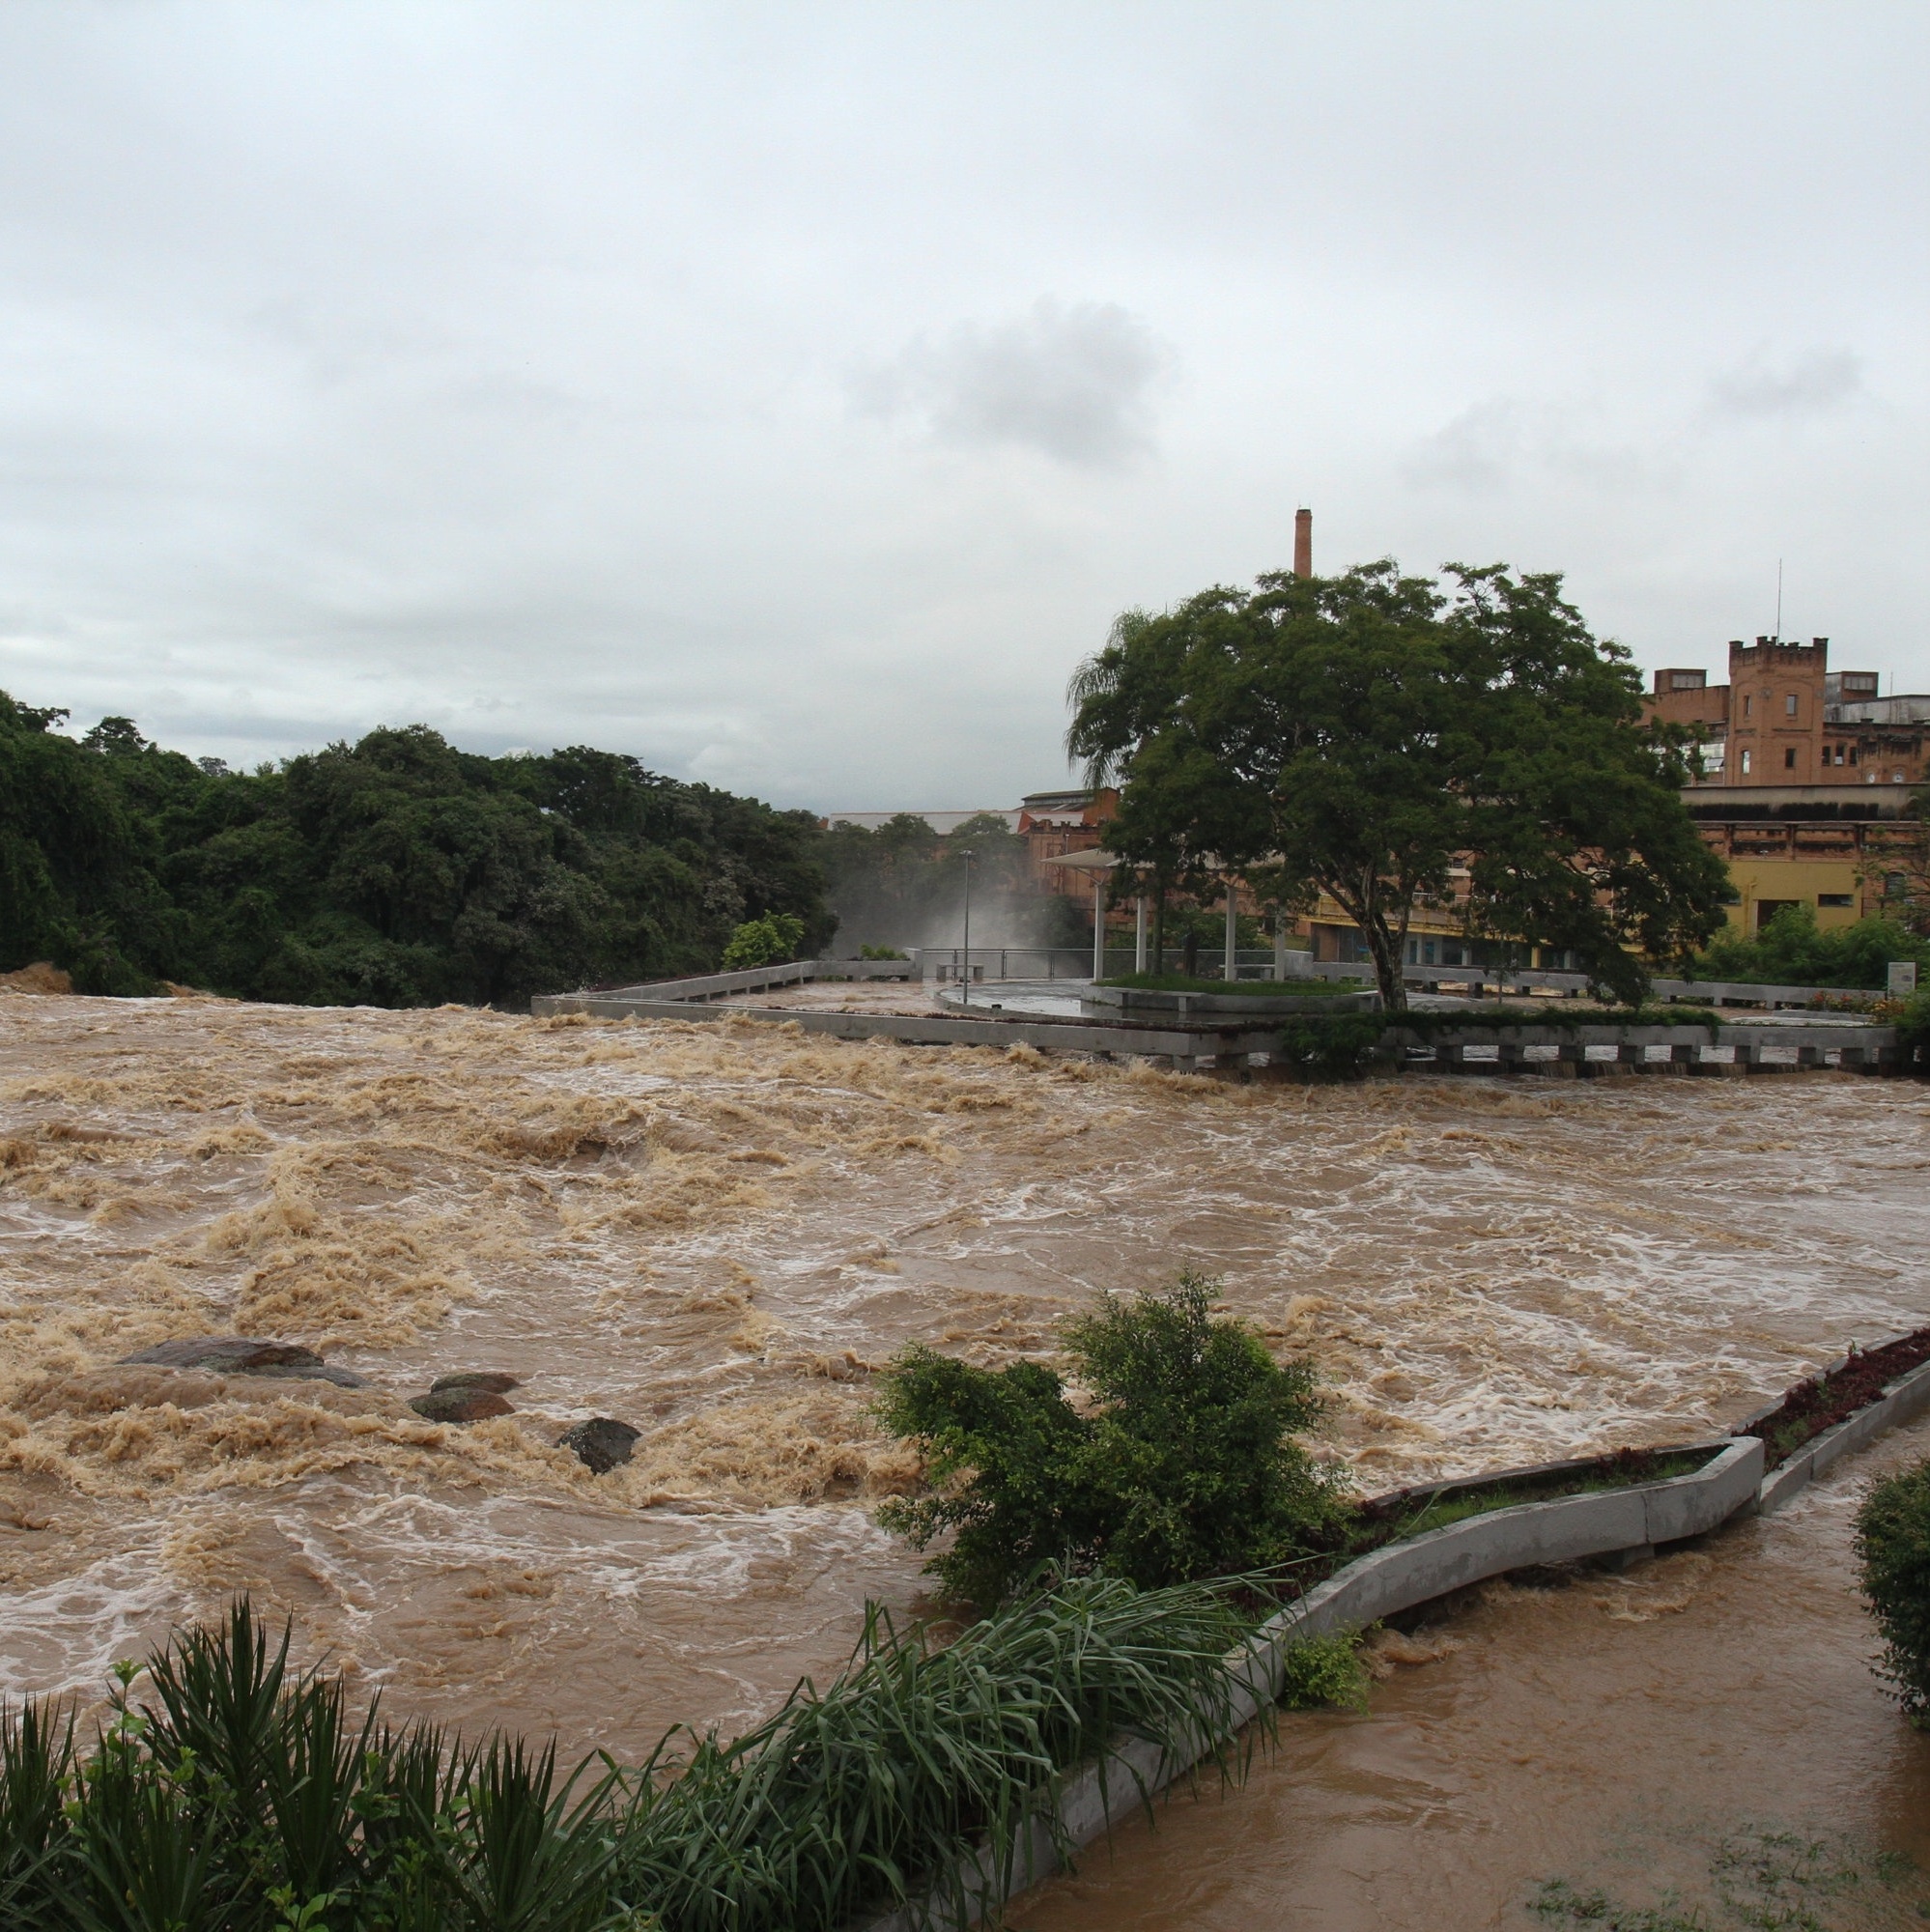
{"x":601,"y":1442}
{"x":344,"y":1378}
{"x":228,"y":1355}
{"x":488,"y":1382}
{"x":460,"y":1404}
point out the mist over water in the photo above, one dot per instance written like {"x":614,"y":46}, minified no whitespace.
{"x":715,"y":1231}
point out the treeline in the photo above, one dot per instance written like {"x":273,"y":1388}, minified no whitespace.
{"x":396,"y":871}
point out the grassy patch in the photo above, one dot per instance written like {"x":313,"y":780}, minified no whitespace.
{"x":1417,"y":1513}
{"x":1761,"y":1880}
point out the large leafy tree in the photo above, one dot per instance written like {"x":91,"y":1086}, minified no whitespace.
{"x":1364,"y":735}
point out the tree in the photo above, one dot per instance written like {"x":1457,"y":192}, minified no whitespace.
{"x":1182,"y":1464}
{"x":1362,"y":735}
{"x":394,"y":871}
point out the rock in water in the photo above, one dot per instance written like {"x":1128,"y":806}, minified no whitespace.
{"x":343,"y":1379}
{"x":460,"y":1404}
{"x":602,"y":1442}
{"x":227,"y":1354}
{"x":489,"y":1382}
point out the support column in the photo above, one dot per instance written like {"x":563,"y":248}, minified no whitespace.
{"x":1139,"y":934}
{"x":1098,"y":926}
{"x":1232,"y":933}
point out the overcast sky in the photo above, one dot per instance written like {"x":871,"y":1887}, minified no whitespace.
{"x":790,"y":395}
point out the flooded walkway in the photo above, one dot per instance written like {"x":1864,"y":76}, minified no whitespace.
{"x":1635,"y":1734}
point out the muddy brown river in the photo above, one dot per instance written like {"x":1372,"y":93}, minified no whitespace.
{"x":717,"y":1231}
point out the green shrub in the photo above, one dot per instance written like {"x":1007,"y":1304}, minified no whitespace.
{"x":1913,"y":1025}
{"x":881,"y":953}
{"x":1321,"y":1670}
{"x":1893,"y":1547}
{"x":765,"y":942}
{"x":1791,"y":950}
{"x":1185,"y":1466}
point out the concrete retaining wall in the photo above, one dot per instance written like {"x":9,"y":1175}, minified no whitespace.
{"x":1377,"y":1586}
{"x":1901,"y":1401}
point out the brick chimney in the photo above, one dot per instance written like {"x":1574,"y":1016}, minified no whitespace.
{"x":1303,"y":543}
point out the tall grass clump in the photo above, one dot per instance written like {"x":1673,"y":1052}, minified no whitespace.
{"x":1182,"y":1462}
{"x":244,"y":1796}
{"x":880,"y":1785}
{"x":1893,"y":1547}
{"x":239,"y":1795}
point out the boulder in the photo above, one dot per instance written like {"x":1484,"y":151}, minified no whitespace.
{"x":460,"y":1404}
{"x":227,"y":1354}
{"x":601,"y":1442}
{"x":344,"y":1378}
{"x":486,"y":1381}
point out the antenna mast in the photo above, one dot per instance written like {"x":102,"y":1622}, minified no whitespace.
{"x":1778,"y":600}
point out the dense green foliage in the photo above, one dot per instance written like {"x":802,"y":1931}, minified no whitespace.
{"x":1182,"y":1464}
{"x":396,"y":871}
{"x":1893,"y":1547}
{"x":241,"y":1796}
{"x":1360,"y":735}
{"x":765,"y":942}
{"x":1791,"y":950}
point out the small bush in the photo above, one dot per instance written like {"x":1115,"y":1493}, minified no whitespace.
{"x":1323,"y":1670}
{"x":1893,"y":1547}
{"x":765,"y":942}
{"x":881,"y":953}
{"x":1185,"y":1466}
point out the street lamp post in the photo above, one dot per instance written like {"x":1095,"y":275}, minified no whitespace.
{"x":966,"y":998}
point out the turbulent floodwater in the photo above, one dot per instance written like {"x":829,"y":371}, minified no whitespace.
{"x":716,"y":1229}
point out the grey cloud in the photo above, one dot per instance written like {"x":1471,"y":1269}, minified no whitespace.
{"x":1477,"y":451}
{"x":1494,"y":445}
{"x":1073,"y":381}
{"x":1820,"y":379}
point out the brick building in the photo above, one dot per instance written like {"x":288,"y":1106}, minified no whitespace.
{"x":1786,"y":718}
{"x":1804,"y":777}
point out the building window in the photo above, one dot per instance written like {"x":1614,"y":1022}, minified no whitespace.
{"x":1748,"y":705}
{"x":1789,"y":705}
{"x":1842,"y":901}
{"x":1789,"y":757}
{"x":1745,"y":761}
{"x":1853,"y":754}
{"x":1896,"y":778}
{"x":1893,"y":884}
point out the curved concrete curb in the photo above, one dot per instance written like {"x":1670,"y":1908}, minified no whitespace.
{"x":1907,"y":1397}
{"x":1607,"y":1523}
{"x":1376,"y":1585}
